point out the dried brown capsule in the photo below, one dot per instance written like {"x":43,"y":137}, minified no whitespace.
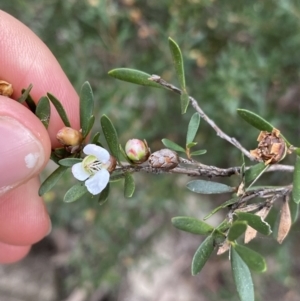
{"x":271,"y":147}
{"x":164,"y":158}
{"x":6,"y":88}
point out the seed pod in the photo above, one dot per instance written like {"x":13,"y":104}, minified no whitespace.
{"x":164,"y":158}
{"x":271,"y":147}
{"x":6,"y":88}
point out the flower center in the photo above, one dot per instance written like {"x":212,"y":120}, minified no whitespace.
{"x":92,"y":164}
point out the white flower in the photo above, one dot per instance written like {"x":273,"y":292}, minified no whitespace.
{"x":93,"y":168}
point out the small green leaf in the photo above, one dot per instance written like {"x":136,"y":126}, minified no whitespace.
{"x":129,"y":186}
{"x":172,"y":145}
{"x":298,"y":151}
{"x":294,"y":208}
{"x":192,"y":225}
{"x":75,"y":193}
{"x":255,"y":222}
{"x":254,"y":260}
{"x":236,"y":230}
{"x":185,"y":100}
{"x":52,"y":180}
{"x":242,"y":277}
{"x":254,"y":171}
{"x":95,"y":139}
{"x":90,"y":124}
{"x":69,"y":162}
{"x":191,"y":144}
{"x":255,"y":120}
{"x":202,"y":254}
{"x":43,"y":110}
{"x":25,"y":94}
{"x":111,"y":136}
{"x":296,"y":181}
{"x":178,"y":62}
{"x":224,"y":205}
{"x":258,"y":122}
{"x":103,"y":197}
{"x":192,"y":128}
{"x":208,"y":187}
{"x":133,"y":76}
{"x":86,"y":108}
{"x":60,"y":109}
{"x":198,"y":152}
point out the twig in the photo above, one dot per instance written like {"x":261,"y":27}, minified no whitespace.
{"x":196,"y":169}
{"x":194,"y":103}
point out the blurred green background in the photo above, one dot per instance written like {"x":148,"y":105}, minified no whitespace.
{"x":237,"y":54}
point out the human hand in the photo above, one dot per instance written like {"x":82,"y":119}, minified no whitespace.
{"x":25,"y":144}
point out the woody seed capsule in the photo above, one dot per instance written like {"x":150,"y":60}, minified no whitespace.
{"x":271,"y":147}
{"x":6,"y":88}
{"x":164,"y":158}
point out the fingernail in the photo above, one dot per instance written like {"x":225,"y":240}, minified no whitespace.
{"x":21,"y":154}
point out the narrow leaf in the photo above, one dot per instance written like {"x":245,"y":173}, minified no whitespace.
{"x":296,"y":181}
{"x":103,"y":197}
{"x":198,"y":152}
{"x":258,"y":122}
{"x":242,"y":277}
{"x":52,"y":180}
{"x":202,"y":254}
{"x":294,"y":208}
{"x":192,"y":128}
{"x":255,"y":222}
{"x":254,"y":260}
{"x":178,"y":62}
{"x":208,"y":187}
{"x":254,"y":171}
{"x":172,"y":145}
{"x":69,"y":162}
{"x":95,"y":139}
{"x":75,"y":193}
{"x":43,"y":110}
{"x":191,"y":144}
{"x":255,"y":120}
{"x":297,"y":151}
{"x":111,"y":136}
{"x":224,"y":205}
{"x":192,"y":225}
{"x":129,"y":186}
{"x":86,"y":108}
{"x":236,"y":230}
{"x":185,"y":100}
{"x":60,"y":109}
{"x":133,"y":76}
{"x":25,"y":94}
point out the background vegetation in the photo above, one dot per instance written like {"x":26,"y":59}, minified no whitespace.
{"x":237,"y":54}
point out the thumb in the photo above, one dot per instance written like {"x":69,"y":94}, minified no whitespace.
{"x":24,"y":145}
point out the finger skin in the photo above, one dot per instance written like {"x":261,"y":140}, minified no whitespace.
{"x":11,"y":254}
{"x":24,"y":60}
{"x":23,"y":217}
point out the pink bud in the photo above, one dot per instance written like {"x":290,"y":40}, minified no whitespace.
{"x":137,"y":150}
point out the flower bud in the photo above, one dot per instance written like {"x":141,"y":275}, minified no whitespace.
{"x":6,"y":88}
{"x":164,"y":158}
{"x":137,"y":150}
{"x":271,"y":147}
{"x":70,"y":138}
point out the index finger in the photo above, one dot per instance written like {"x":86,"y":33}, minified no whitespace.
{"x":24,"y":60}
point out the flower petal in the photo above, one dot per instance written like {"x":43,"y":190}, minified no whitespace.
{"x":98,"y":182}
{"x":79,"y":172}
{"x":101,"y":153}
